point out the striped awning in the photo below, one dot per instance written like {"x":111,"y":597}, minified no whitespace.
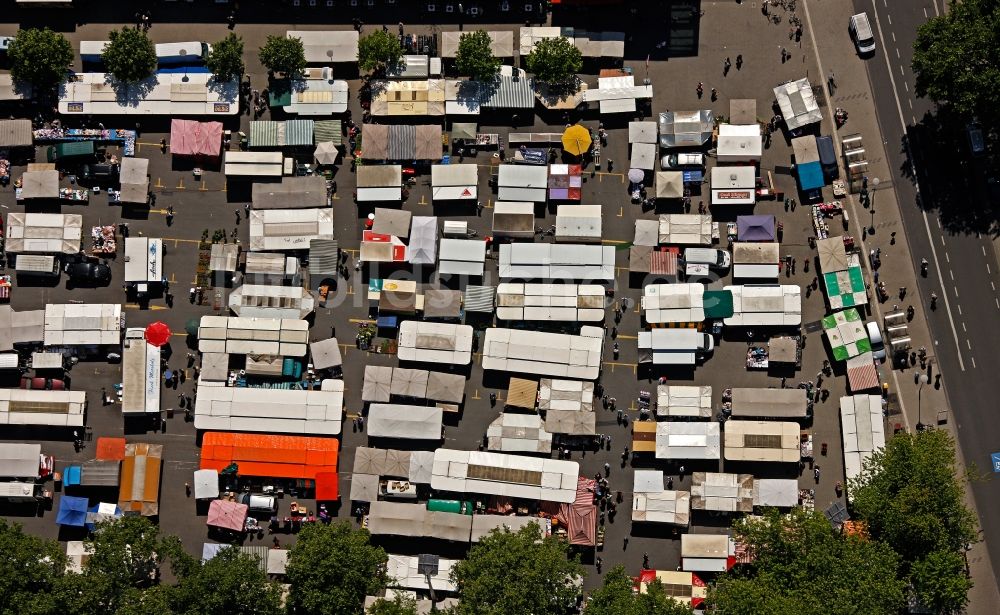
{"x":862,"y":377}
{"x":328,"y":130}
{"x":299,"y":132}
{"x":324,"y":257}
{"x":264,"y":134}
{"x":507,"y":94}
{"x":479,"y":299}
{"x":402,"y":142}
{"x":662,"y":262}
{"x":259,"y":552}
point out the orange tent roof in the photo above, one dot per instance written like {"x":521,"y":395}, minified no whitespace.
{"x":110,"y":449}
{"x":139,"y":491}
{"x":267,"y":455}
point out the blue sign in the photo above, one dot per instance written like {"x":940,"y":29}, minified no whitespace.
{"x":995,"y":458}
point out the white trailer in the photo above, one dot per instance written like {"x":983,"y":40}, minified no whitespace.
{"x":140,"y":374}
{"x":143,"y":262}
{"x":765,"y":305}
{"x":674,"y":346}
{"x":42,"y":407}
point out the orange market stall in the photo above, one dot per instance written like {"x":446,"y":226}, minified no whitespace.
{"x":139,"y":491}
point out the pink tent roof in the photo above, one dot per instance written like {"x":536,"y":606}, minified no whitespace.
{"x":228,"y":515}
{"x":191,"y":138}
{"x":581,"y":515}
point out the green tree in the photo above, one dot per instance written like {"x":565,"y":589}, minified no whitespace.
{"x":475,"y":57}
{"x":126,"y":555}
{"x":331,"y":569}
{"x":226,"y":59}
{"x":129,"y":55}
{"x":378,"y":51}
{"x":802,"y":565}
{"x":40,"y":57}
{"x":283,"y":54}
{"x":911,"y":497}
{"x":399,"y":605}
{"x":30,"y":567}
{"x":230,"y":582}
{"x":517,"y":572}
{"x":940,"y":581}
{"x":616,"y":597}
{"x":555,"y":61}
{"x":956,"y":58}
{"x":155,"y":599}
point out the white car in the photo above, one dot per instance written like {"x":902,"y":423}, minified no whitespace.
{"x":5,"y":42}
{"x":681,"y":161}
{"x":878,"y":344}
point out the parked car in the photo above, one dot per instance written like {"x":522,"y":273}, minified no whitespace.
{"x":861,"y":31}
{"x":48,"y":384}
{"x":88,"y":272}
{"x":877,"y":342}
{"x":5,"y":42}
{"x":682,"y":161}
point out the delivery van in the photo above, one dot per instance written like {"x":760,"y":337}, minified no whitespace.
{"x":193,"y":52}
{"x":861,"y":31}
{"x":719,"y":259}
{"x":71,"y":152}
{"x":36,"y":265}
{"x":827,"y":157}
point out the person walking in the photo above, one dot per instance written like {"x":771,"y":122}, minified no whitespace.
{"x":739,"y":61}
{"x":607,"y":468}
{"x":726,"y":66}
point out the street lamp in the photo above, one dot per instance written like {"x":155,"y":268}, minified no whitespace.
{"x":922,"y":379}
{"x":871,"y":204}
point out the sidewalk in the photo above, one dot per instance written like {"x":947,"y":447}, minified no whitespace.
{"x":852,"y":85}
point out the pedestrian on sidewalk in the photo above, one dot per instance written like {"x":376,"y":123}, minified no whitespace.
{"x":607,"y":468}
{"x":700,"y":89}
{"x":187,"y":489}
{"x":816,"y":474}
{"x":902,"y":292}
{"x":725,"y":66}
{"x":739,"y":61}
{"x":832,"y":82}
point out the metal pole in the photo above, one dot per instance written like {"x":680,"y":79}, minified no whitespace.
{"x":871,"y":205}
{"x":923,"y":379}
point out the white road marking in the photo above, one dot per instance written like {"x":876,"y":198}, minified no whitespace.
{"x":925,"y":13}
{"x":964,"y":330}
{"x":955,"y":289}
{"x":983,"y":248}
{"x":910,"y":102}
{"x":898,"y":57}
{"x":959,"y":306}
{"x":938,"y":222}
{"x":942,"y":240}
{"x":951,"y":274}
{"x":947,"y":257}
{"x":988,"y":270}
{"x":888,"y":16}
{"x":973,"y":359}
{"x":968,"y":343}
{"x":906,"y":86}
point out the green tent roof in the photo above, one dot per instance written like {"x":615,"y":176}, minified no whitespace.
{"x":718,"y":304}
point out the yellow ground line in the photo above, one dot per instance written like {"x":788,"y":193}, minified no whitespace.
{"x":136,"y":306}
{"x":177,"y":240}
{"x":180,"y":184}
{"x":159,"y":183}
{"x":621,"y":212}
{"x":614,"y":241}
{"x":627,"y":337}
{"x":203,"y":188}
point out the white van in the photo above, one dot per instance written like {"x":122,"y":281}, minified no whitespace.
{"x":36,"y":264}
{"x":861,"y":30}
{"x":719,"y":259}
{"x":182,"y":53}
{"x":674,"y":346}
{"x":19,"y":492}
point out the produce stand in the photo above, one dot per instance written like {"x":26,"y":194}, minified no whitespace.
{"x":104,"y":240}
{"x":114,"y":135}
{"x":5,"y":288}
{"x":757,"y":357}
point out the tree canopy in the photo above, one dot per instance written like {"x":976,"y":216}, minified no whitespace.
{"x":910,"y":496}
{"x":283,"y":54}
{"x":230,"y":582}
{"x":399,"y":605}
{"x":802,"y":565}
{"x":331,"y":569}
{"x":475,"y":56}
{"x":555,"y":60}
{"x":40,"y":57}
{"x":129,"y":55}
{"x":29,"y":569}
{"x":616,"y":597}
{"x":126,"y":555}
{"x":378,"y":51}
{"x":226,"y":59}
{"x":517,"y":572}
{"x":956,"y":58}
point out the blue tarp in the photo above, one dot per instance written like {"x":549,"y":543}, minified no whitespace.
{"x":693,"y":177}
{"x":72,"y":511}
{"x":166,"y":70}
{"x":95,"y":516}
{"x":71,"y":476}
{"x":810,"y":176}
{"x":387,"y":322}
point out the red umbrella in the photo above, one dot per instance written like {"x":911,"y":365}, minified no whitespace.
{"x":158,"y":334}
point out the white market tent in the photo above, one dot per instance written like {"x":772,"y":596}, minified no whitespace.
{"x":516,"y":476}
{"x":40,"y":233}
{"x":664,"y":506}
{"x":547,"y":354}
{"x":550,"y":302}
{"x":617,"y":94}
{"x":462,"y":257}
{"x":454,"y":182}
{"x":291,"y":193}
{"x":423,"y":240}
{"x":514,"y":219}
{"x":404,"y":422}
{"x":257,"y":336}
{"x":760,"y":403}
{"x":406,"y":571}
{"x":686,"y":128}
{"x":392,"y":222}
{"x":42,"y":407}
{"x":669,"y":185}
{"x":271,"y":410}
{"x":518,"y":433}
{"x":399,"y":519}
{"x":798,"y":105}
{"x":83,"y":324}
{"x":734,"y":185}
{"x":325,"y":353}
{"x":647,"y":481}
{"x":523,"y":183}
{"x":254,"y":164}
{"x":722,"y":492}
{"x":328,"y":46}
{"x":675,"y":303}
{"x":765,"y":305}
{"x":435,"y":342}
{"x":776,"y":492}
{"x":684,"y":401}
{"x":289,"y":229}
{"x":706,"y":552}
{"x":756,"y":260}
{"x":643,"y":156}
{"x":739,"y":143}
{"x":134,"y":180}
{"x":647,"y":233}
{"x":683,"y":440}
{"x":686,"y":229}
{"x":642,"y":132}
{"x":379,"y":183}
{"x":566,"y":395}
{"x":863,"y":429}
{"x":671,"y":346}
{"x":762,"y":441}
{"x":318,"y":94}
{"x":546,"y":261}
{"x":578,"y":223}
{"x":173,"y":94}
{"x":143,"y":260}
{"x":206,"y":484}
{"x":377,"y":383}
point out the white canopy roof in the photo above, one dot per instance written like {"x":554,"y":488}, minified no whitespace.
{"x":689,"y":229}
{"x":454,"y":182}
{"x":546,"y":261}
{"x":722,"y":491}
{"x":662,"y":507}
{"x":578,"y":223}
{"x":206,"y":484}
{"x":863,"y":429}
{"x":762,"y":441}
{"x":546,"y":354}
{"x":687,"y":440}
{"x":734,"y":185}
{"x":739,"y":143}
{"x":684,"y":401}
{"x":219,"y":408}
{"x":674,"y":303}
{"x":43,"y":233}
{"x":777,"y":492}
{"x":550,"y":302}
{"x":765,"y":305}
{"x":798,"y":104}
{"x":523,"y":183}
{"x":517,"y":476}
{"x":435,"y":342}
{"x":462,"y":257}
{"x":518,"y":433}
{"x":405,"y":422}
{"x":258,"y":336}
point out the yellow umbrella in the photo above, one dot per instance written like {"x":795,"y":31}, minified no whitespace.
{"x":576,"y":140}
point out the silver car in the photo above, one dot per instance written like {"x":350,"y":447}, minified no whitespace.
{"x":878,"y":344}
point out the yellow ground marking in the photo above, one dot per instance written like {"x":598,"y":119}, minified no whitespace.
{"x":180,"y":183}
{"x":350,"y":290}
{"x":173,"y":278}
{"x":423,"y":200}
{"x":225,"y":185}
{"x":627,"y":337}
{"x":203,"y":188}
{"x":184,"y":334}
{"x":177,"y":240}
{"x":361,"y":321}
{"x":489,"y":204}
{"x":158,"y":211}
{"x":136,"y":306}
{"x":159,"y":183}
{"x":614,"y":241}
{"x":621,"y":212}
{"x":614,"y":364}
{"x":475,"y":395}
{"x":336,"y":198}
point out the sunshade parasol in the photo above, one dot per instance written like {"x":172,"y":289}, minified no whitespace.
{"x":227,"y":515}
{"x":369,"y":460}
{"x":72,"y":511}
{"x":158,"y":333}
{"x":191,"y":326}
{"x":576,"y":140}
{"x":636,"y":175}
{"x":327,"y":153}
{"x":397,"y":463}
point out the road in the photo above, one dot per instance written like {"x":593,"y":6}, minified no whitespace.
{"x":963,"y":264}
